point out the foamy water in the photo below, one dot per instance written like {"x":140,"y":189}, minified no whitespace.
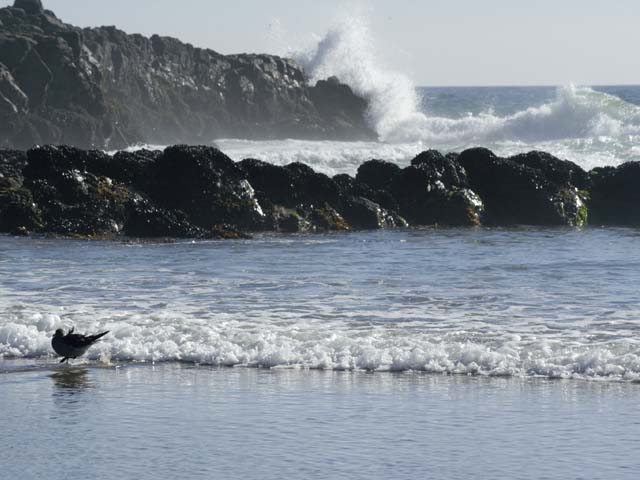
{"x":592,"y":128}
{"x":588,"y":126}
{"x":550,"y":302}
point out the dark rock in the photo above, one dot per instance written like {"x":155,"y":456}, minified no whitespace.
{"x":32,"y":7}
{"x":272,"y":183}
{"x":377,"y":174}
{"x":134,"y":169}
{"x":430,"y":192}
{"x":18,"y":212}
{"x":340,"y":109}
{"x":207,"y":185}
{"x":441,"y":169}
{"x":226,"y":232}
{"x":350,"y":187}
{"x":198,"y":192}
{"x":555,"y":170}
{"x":514,"y":193}
{"x":328,"y":219}
{"x":73,"y":200}
{"x":100,"y":87}
{"x":615,"y":196}
{"x":297,"y":198}
{"x":363,"y":214}
{"x":12,"y":162}
{"x":289,"y":220}
{"x":146,"y":221}
{"x":314,"y":189}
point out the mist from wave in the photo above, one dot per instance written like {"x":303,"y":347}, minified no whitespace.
{"x":348,"y":52}
{"x":592,"y":127}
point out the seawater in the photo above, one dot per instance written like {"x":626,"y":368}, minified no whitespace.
{"x":201,"y":423}
{"x":524,"y":302}
{"x":590,"y":126}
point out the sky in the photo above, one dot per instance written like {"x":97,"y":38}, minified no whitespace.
{"x":433,"y":42}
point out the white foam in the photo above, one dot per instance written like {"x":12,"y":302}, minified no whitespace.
{"x":336,"y":346}
{"x":348,"y":52}
{"x":577,"y":115}
{"x":588,"y":127}
{"x":324,"y":156}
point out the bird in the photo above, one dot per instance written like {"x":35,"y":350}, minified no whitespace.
{"x":73,"y":345}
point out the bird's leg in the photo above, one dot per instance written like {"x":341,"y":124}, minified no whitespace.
{"x":65,"y":359}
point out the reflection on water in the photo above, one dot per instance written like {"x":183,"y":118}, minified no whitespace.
{"x":69,"y":388}
{"x":167,"y":420}
{"x":71,"y":381}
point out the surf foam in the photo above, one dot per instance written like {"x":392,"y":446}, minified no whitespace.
{"x":331,"y":347}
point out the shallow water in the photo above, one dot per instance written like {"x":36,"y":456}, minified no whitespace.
{"x":559,"y":303}
{"x":171,"y":421}
{"x":393,"y":354}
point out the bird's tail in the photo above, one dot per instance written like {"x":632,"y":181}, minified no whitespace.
{"x":98,"y":336}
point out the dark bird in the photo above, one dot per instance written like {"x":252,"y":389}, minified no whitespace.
{"x":73,"y":345}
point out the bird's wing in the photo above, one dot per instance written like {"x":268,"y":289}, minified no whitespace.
{"x":98,"y":336}
{"x":78,"y":341}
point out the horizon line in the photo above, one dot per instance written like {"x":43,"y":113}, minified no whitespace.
{"x":531,"y":85}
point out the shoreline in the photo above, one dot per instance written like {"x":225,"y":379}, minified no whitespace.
{"x":263,"y":424}
{"x":24,"y":366}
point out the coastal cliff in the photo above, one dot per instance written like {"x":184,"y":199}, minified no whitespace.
{"x":103,"y":88}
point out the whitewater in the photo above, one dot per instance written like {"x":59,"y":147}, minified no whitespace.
{"x":591,"y":126}
{"x":552,"y":303}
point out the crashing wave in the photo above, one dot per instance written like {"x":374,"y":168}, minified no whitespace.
{"x":347,"y":51}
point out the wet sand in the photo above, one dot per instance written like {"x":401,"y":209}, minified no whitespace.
{"x":166,"y":420}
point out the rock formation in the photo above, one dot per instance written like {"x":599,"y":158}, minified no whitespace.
{"x":103,"y":88}
{"x":198,"y":192}
{"x":32,"y":7}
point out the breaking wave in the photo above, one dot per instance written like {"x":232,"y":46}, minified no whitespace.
{"x":348,"y":52}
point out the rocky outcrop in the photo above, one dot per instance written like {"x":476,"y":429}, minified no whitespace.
{"x":614,"y":195}
{"x":102,"y":88}
{"x":531,"y":189}
{"x":32,"y":7}
{"x":198,"y":192}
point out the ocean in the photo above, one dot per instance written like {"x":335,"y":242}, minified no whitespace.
{"x":591,"y":126}
{"x":434,"y":352}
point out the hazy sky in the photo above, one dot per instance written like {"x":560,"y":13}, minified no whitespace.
{"x":434,"y":42}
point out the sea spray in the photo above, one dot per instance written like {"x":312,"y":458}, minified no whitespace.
{"x":347,"y":51}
